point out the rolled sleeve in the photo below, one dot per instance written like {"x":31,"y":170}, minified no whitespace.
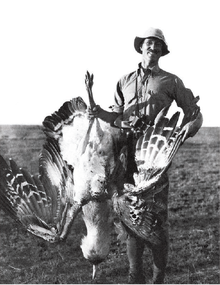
{"x":184,"y":96}
{"x":119,"y":99}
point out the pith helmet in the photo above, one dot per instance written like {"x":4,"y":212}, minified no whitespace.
{"x":151,"y":32}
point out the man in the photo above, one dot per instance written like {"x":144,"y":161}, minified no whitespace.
{"x":143,"y":94}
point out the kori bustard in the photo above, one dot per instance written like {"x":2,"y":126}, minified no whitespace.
{"x":82,"y":168}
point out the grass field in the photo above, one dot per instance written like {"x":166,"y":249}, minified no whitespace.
{"x":193,"y":211}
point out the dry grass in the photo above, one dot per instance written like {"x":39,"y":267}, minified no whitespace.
{"x":194,"y":223}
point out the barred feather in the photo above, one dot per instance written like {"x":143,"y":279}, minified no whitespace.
{"x":42,"y":204}
{"x":142,"y":218}
{"x":136,"y":206}
{"x":47,"y":204}
{"x":155,"y":150}
{"x":53,"y":124}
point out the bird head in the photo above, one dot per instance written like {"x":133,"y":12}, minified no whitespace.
{"x":95,"y":249}
{"x":96,"y":244}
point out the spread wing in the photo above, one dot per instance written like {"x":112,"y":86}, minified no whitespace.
{"x":45,"y":204}
{"x":136,"y":205}
{"x":155,"y":150}
{"x":74,"y":165}
{"x":41,"y":203}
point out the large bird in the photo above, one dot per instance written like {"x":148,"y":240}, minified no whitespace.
{"x":82,"y":168}
{"x":75,"y":166}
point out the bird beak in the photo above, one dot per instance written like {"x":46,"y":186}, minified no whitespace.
{"x":94,"y":270}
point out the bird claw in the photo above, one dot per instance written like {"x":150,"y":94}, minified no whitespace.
{"x":89,"y":80}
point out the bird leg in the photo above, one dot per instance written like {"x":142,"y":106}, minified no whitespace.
{"x":89,"y":84}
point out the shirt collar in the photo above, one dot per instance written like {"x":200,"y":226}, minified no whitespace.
{"x":154,"y":70}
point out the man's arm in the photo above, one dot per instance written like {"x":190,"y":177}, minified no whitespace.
{"x":185,"y":99}
{"x":98,"y":112}
{"x":192,"y":127}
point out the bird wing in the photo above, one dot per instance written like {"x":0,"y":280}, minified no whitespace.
{"x":139,"y":215}
{"x":155,"y":150}
{"x":41,"y":203}
{"x":68,"y":126}
{"x":45,"y":204}
{"x":136,"y":205}
{"x":74,"y":165}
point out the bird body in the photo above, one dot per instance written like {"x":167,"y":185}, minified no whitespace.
{"x":96,"y":163}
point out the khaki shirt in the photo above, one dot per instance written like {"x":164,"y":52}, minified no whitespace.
{"x":134,"y":96}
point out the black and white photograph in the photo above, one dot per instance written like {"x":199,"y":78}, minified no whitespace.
{"x":109,"y":142}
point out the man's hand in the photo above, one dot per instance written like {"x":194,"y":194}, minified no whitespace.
{"x":191,"y":128}
{"x":93,"y":113}
{"x":185,"y":132}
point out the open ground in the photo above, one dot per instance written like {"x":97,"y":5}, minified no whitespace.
{"x":193,"y":217}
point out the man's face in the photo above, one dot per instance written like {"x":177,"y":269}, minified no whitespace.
{"x":151,"y":50}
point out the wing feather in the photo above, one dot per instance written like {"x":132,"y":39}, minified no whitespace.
{"x":42,"y":204}
{"x":53,"y":124}
{"x":136,"y":205}
{"x":46,"y":204}
{"x":155,"y":150}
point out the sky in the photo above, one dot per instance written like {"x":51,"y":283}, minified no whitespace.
{"x":46,"y":47}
